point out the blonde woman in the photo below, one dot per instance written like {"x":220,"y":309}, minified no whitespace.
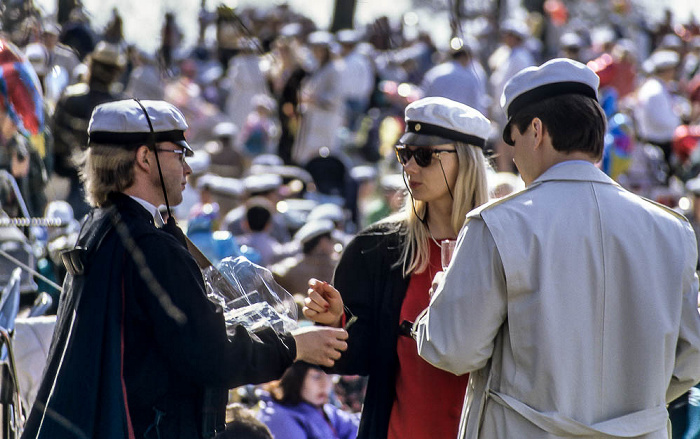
{"x":385,"y":273}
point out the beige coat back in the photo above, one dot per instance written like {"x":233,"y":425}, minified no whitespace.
{"x":575,"y":303}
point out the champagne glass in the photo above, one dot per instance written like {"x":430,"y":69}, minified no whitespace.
{"x":447,"y":248}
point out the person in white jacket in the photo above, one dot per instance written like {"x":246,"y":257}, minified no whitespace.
{"x":656,"y":113}
{"x":572,"y":303}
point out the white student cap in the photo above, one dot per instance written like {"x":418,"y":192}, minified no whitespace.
{"x":313,"y":229}
{"x":557,"y":77}
{"x":436,"y":121}
{"x":125,"y":123}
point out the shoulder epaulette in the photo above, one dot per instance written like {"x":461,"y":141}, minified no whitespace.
{"x":678,"y":215}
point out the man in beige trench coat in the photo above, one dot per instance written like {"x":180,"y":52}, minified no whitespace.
{"x":573,"y":302}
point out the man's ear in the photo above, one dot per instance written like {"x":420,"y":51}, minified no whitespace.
{"x":142,"y":159}
{"x":539,"y":130}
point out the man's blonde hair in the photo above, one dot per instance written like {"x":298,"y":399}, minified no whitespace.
{"x":105,"y":169}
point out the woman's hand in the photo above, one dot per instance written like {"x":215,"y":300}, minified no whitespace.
{"x":439,"y":276}
{"x":323,"y":304}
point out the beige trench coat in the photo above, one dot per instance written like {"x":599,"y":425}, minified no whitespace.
{"x":574,"y":302}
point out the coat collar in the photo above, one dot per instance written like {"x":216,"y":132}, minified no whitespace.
{"x":574,"y":170}
{"x":126,"y":203}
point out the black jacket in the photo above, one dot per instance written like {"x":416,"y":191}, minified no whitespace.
{"x":137,"y":342}
{"x":70,"y":123}
{"x":373,"y":290}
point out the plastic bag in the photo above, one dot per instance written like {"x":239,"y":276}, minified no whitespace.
{"x":249,"y":296}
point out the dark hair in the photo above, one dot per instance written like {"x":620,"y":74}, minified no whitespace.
{"x":103,"y":73}
{"x":459,"y":54}
{"x":574,"y":123}
{"x":244,"y":425}
{"x":258,"y":216}
{"x":288,"y":390}
{"x":311,"y":244}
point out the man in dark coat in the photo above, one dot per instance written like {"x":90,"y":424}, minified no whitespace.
{"x":139,"y":351}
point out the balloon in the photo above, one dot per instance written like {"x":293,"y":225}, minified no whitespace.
{"x":20,"y":90}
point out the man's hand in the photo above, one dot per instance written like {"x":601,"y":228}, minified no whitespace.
{"x":320,"y":344}
{"x":323,"y":304}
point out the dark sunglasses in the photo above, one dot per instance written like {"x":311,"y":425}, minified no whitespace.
{"x":423,"y":156}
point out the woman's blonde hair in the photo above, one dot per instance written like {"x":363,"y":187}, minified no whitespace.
{"x":105,"y":169}
{"x":470,"y":191}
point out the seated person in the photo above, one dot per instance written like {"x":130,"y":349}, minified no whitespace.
{"x":299,"y":408}
{"x":258,"y":226}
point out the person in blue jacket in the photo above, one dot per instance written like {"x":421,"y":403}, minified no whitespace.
{"x":299,"y":408}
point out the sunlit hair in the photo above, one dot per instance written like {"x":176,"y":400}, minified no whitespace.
{"x":470,"y":191}
{"x":105,"y":169}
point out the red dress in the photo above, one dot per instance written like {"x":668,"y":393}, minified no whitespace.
{"x":428,"y":400}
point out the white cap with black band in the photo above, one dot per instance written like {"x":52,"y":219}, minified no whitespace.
{"x":436,"y":121}
{"x":556,"y":77}
{"x":124,"y":123}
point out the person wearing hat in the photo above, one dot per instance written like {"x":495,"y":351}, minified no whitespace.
{"x":340,"y":218}
{"x":691,"y":61}
{"x":550,"y":295}
{"x":358,"y":77}
{"x":317,"y":258}
{"x":70,"y":119}
{"x":59,"y":55}
{"x":389,"y":199}
{"x":570,"y":46}
{"x":510,"y":58}
{"x":138,"y":349}
{"x":384,"y":275}
{"x":245,"y":80}
{"x":265,"y":185}
{"x":458,"y":78}
{"x":285,"y":78}
{"x":257,"y":231}
{"x":655,"y":110}
{"x":322,"y":107}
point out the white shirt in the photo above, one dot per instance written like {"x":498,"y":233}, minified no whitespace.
{"x":656,"y":117}
{"x":153,"y":210}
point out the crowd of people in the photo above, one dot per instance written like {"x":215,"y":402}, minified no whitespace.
{"x":341,"y":162}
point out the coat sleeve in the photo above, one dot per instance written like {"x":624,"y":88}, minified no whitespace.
{"x":355,"y":278}
{"x":457,"y":331}
{"x":686,"y":370}
{"x":196,"y":344}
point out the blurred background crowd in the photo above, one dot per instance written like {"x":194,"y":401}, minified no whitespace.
{"x":294,"y":125}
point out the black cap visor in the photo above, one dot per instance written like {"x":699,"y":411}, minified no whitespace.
{"x":506,"y":134}
{"x":140,"y":138}
{"x":425,"y":134}
{"x":189,"y":152}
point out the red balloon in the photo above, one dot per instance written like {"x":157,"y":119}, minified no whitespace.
{"x":20,"y":91}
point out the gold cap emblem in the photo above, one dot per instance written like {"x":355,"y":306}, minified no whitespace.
{"x":417,"y":127}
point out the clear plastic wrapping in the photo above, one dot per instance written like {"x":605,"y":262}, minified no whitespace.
{"x":250,"y":297}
